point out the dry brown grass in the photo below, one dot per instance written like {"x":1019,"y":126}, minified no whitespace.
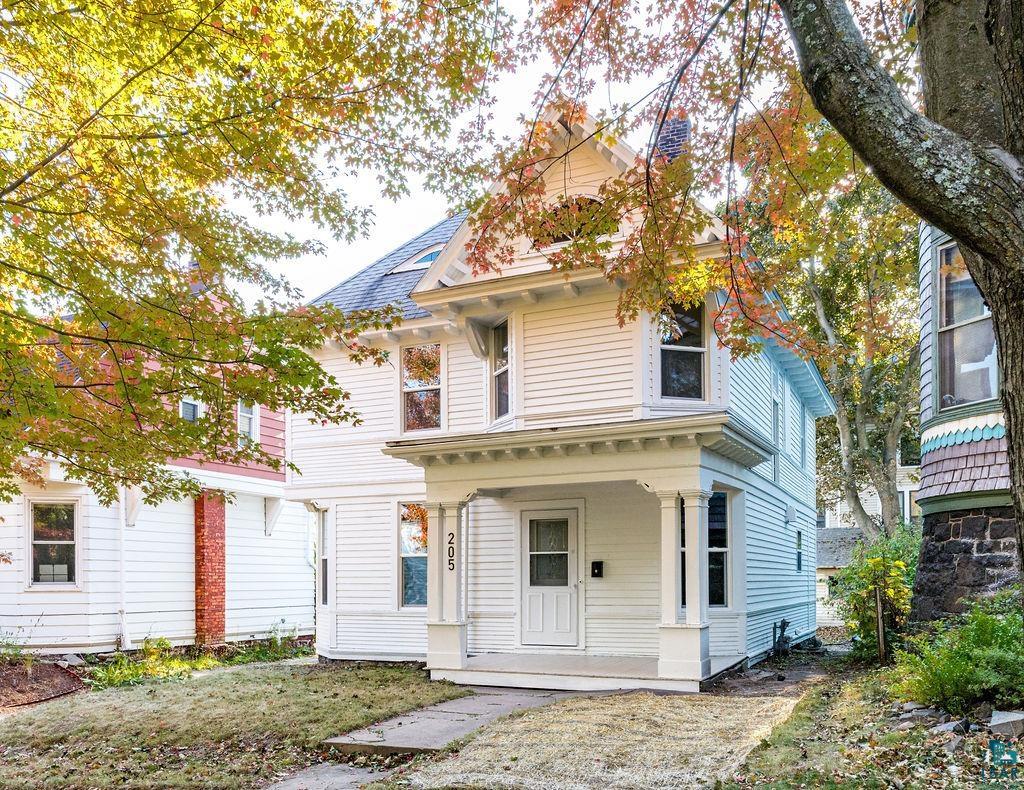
{"x":637,"y":740}
{"x":227,"y":729}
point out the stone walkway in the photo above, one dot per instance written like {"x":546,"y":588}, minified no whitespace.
{"x":432,"y":728}
{"x":331,"y":776}
{"x":428,"y":729}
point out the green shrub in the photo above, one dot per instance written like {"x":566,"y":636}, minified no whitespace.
{"x":977,"y":657}
{"x":888,"y":563}
{"x":156,"y":659}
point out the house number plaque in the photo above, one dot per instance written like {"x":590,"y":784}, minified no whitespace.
{"x":451,"y":551}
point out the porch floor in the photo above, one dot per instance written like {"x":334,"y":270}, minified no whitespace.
{"x":572,"y":672}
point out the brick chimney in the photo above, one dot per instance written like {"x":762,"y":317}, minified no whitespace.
{"x":210,"y":540}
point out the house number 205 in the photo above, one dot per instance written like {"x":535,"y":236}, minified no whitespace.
{"x":451,"y":551}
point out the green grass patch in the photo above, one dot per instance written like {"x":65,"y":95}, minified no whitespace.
{"x":222,"y":730}
{"x":159,"y":660}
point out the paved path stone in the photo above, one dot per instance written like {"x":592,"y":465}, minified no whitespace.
{"x":330,"y":776}
{"x":432,"y":728}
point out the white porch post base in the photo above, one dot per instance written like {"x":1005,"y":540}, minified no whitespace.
{"x":684,"y":651}
{"x":446,"y":645}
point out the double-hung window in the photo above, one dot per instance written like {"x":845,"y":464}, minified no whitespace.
{"x":718,"y":550}
{"x":53,"y":542}
{"x":421,"y":387}
{"x":968,"y":370}
{"x":412,"y":550}
{"x":248,"y":423}
{"x":499,"y":369}
{"x":321,"y":540}
{"x":683,"y":353}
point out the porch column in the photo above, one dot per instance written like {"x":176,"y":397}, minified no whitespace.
{"x":696,"y":520}
{"x":671,"y":558}
{"x":684,"y":646}
{"x":446,"y":624}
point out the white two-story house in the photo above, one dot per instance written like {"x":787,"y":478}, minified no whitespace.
{"x":539,"y":497}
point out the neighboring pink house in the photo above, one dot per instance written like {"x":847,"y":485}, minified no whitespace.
{"x":87,"y":577}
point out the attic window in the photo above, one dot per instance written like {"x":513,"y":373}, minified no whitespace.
{"x":575,"y":218}
{"x":420,"y":260}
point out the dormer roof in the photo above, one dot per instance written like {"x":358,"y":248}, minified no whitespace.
{"x":391,"y":279}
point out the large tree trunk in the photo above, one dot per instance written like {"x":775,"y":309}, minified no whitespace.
{"x":1005,"y":295}
{"x":960,"y":168}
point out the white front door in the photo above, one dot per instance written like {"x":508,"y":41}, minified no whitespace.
{"x":549,"y":606}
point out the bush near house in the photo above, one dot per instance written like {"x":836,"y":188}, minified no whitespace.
{"x":159,"y":660}
{"x":888,"y":563}
{"x":970,"y":659}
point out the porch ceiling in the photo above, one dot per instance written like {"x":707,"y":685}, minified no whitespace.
{"x":712,"y":431}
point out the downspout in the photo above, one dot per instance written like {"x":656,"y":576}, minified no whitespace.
{"x":124,"y":638}
{"x":465,"y":564}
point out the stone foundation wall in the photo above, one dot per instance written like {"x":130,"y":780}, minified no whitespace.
{"x":964,"y":553}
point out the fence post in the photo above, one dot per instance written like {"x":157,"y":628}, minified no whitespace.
{"x":880,"y":625}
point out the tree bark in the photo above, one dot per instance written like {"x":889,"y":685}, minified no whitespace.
{"x":961,"y":171}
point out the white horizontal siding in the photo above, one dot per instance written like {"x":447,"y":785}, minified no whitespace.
{"x":269,"y":578}
{"x":369,"y":619}
{"x":491,"y":576}
{"x":160,"y":572}
{"x":826,"y":609}
{"x":750,"y":392}
{"x":466,"y":389}
{"x":623,"y":529}
{"x":576,"y":357}
{"x":159,"y":576}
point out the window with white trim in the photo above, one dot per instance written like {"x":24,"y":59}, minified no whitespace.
{"x":718,"y":550}
{"x":248,"y":423}
{"x":683,"y":351}
{"x":421,"y":387}
{"x":53,"y":542}
{"x":190,"y":409}
{"x":799,"y":551}
{"x":412,"y":550}
{"x":776,"y":437}
{"x":322,"y":551}
{"x":499,"y":369}
{"x":803,"y":437}
{"x":968,"y":368}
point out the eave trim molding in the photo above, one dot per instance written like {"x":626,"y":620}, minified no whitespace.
{"x":711,"y":431}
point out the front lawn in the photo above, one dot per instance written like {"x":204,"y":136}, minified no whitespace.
{"x":230,"y":728}
{"x":847,"y":733}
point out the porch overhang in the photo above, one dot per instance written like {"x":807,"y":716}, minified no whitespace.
{"x":712,"y":431}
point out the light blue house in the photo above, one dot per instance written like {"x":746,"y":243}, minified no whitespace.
{"x":540,"y":497}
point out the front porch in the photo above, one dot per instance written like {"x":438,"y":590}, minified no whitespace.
{"x":573,"y":672}
{"x":580,"y":559}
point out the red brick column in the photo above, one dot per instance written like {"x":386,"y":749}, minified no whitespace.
{"x":210,"y":539}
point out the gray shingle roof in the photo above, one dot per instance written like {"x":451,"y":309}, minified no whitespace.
{"x":375,"y":286}
{"x":835,"y":546}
